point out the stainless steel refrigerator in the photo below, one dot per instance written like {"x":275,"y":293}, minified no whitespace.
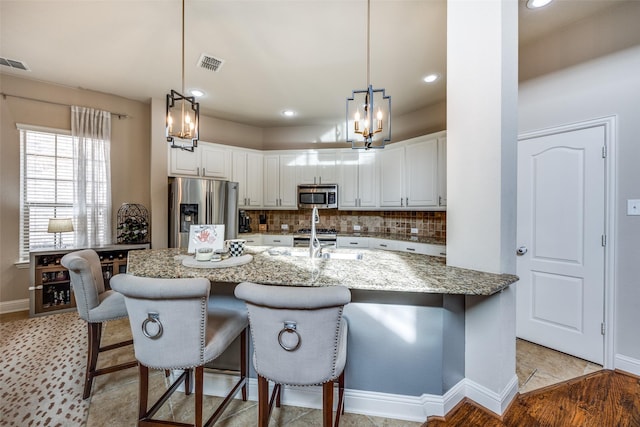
{"x":195,"y":201}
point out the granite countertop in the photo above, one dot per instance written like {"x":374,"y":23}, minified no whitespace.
{"x":378,"y":270}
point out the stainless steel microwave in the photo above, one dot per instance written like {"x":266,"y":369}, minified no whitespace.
{"x":322,"y":196}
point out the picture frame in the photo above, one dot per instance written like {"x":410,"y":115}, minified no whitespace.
{"x":206,"y":236}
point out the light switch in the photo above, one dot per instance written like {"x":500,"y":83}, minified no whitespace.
{"x":356,"y":228}
{"x":284,"y":226}
{"x":633,"y":207}
{"x":414,"y":231}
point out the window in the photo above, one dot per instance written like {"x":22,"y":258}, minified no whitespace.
{"x":46,"y":158}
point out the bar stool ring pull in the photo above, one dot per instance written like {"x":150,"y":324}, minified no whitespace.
{"x":155,"y":319}
{"x":289,"y":327}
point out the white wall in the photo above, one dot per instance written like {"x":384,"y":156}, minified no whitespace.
{"x":603,"y":87}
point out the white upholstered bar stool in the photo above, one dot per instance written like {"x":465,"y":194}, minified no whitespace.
{"x":95,"y":306}
{"x":300,"y":339}
{"x":174,"y":326}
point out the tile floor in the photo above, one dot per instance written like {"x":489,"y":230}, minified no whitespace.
{"x":115,"y":396}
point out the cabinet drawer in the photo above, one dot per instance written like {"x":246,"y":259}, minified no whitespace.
{"x":384,"y":244}
{"x":422,"y":248}
{"x":252,"y":239}
{"x":352,"y":242}
{"x":274,"y":240}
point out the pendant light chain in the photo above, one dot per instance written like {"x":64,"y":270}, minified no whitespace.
{"x":368,"y":43}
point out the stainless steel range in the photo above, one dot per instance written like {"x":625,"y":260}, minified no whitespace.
{"x":326,"y":236}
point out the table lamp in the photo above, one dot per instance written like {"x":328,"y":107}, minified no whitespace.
{"x":60,"y":225}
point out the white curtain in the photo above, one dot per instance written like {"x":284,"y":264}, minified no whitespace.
{"x":91,"y":132}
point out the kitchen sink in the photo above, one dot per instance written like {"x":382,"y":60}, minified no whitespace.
{"x":325,"y":255}
{"x":338,"y":255}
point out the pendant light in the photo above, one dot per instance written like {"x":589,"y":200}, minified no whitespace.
{"x":368,"y":110}
{"x":183,"y":113}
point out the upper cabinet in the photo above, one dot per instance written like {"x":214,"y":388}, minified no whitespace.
{"x":409,"y":174}
{"x":247,"y":172}
{"x":207,"y":160}
{"x":280,"y":187}
{"x":317,"y":167}
{"x":358,"y":180}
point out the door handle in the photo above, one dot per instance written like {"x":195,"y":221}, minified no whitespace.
{"x":521,"y":250}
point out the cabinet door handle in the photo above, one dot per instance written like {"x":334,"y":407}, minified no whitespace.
{"x":411,"y":249}
{"x":406,"y":202}
{"x":314,"y":179}
{"x":204,"y":172}
{"x":198,"y":171}
{"x":276,"y":241}
{"x":401,"y":201}
{"x":383,"y":245}
{"x":319,"y":180}
{"x":353,"y":243}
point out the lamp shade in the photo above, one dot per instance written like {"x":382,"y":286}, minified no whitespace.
{"x":60,"y":225}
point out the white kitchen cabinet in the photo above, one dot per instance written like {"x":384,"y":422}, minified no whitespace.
{"x":280,"y":175}
{"x":391,"y":164}
{"x":421,"y":175}
{"x":207,"y":160}
{"x":409,"y":175}
{"x":358,"y":180}
{"x":352,"y":242}
{"x":247,"y":172}
{"x":277,"y":240}
{"x":442,"y":171}
{"x":317,"y":167}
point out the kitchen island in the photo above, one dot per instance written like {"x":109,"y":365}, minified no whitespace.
{"x":375,"y":271}
{"x":406,"y":345}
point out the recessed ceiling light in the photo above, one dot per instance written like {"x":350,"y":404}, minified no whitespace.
{"x":288,"y":113}
{"x":197,"y":92}
{"x":536,"y":4}
{"x":431,"y":78}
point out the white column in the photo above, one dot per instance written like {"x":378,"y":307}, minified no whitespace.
{"x":159,"y":168}
{"x":482,"y":58}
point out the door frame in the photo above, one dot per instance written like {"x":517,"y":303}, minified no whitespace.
{"x":610,"y":206}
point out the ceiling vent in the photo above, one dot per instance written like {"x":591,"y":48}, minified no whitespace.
{"x":14,"y":64}
{"x":210,"y":62}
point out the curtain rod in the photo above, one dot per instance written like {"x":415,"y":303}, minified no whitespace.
{"x":4,"y":96}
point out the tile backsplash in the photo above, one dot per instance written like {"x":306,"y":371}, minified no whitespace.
{"x":428,"y":224}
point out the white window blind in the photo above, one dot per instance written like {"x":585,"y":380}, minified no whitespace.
{"x":46,"y":173}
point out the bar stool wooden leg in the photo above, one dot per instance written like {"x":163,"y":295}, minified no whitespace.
{"x":144,"y":391}
{"x":94,"y":332}
{"x":263,"y":402}
{"x":327,"y":404}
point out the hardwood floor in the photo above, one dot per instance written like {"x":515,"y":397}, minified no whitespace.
{"x":601,"y":399}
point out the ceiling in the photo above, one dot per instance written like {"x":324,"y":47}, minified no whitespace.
{"x":303,"y":55}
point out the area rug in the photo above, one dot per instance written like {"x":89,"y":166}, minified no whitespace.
{"x":42,"y":375}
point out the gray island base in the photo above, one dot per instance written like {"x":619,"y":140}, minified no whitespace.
{"x":406,"y":344}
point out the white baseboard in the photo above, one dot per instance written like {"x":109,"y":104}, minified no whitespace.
{"x":495,"y":402}
{"x":386,"y":405}
{"x":15,"y":305}
{"x":627,"y":364}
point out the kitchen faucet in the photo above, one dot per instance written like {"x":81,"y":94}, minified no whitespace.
{"x":315,"y":250}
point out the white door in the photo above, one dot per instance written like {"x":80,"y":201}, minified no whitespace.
{"x":561,"y":223}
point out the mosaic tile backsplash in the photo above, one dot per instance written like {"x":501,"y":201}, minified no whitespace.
{"x":429,"y":224}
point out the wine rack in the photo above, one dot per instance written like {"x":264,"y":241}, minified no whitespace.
{"x":50,"y":287}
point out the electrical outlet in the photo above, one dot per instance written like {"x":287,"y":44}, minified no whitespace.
{"x":356,"y":228}
{"x":284,"y":227}
{"x":414,"y":231}
{"x":633,"y":207}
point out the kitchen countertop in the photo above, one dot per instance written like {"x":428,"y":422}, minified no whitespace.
{"x":378,"y":270}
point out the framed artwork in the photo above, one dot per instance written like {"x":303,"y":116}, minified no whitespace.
{"x":206,"y":236}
